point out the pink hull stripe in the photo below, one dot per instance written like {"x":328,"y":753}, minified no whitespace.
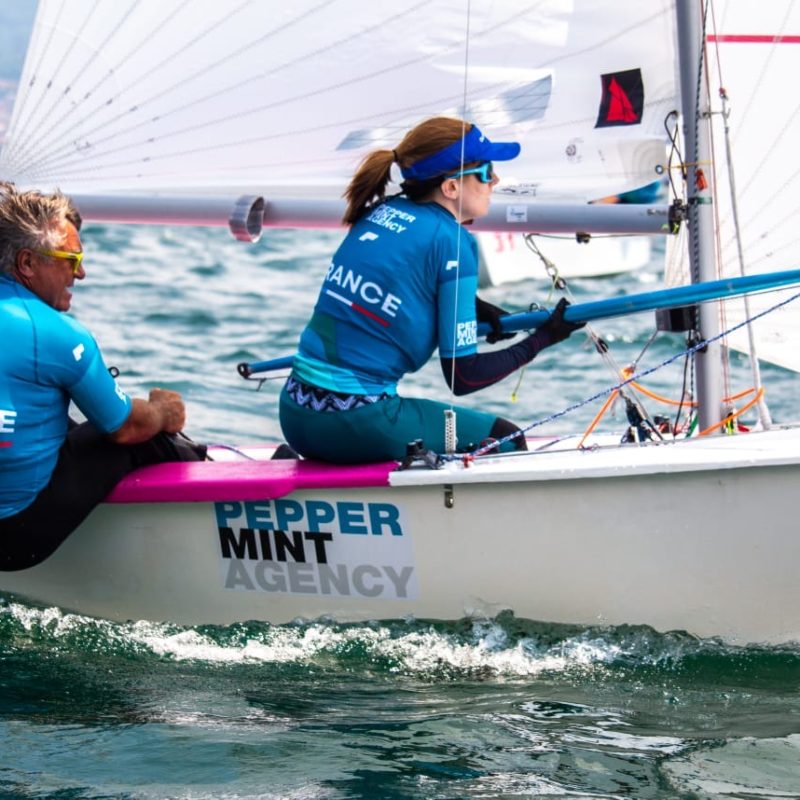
{"x":210,"y":481}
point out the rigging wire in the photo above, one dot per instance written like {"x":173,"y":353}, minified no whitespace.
{"x":763,"y":410}
{"x":600,"y":345}
{"x":449,"y":414}
{"x":673,"y":268}
{"x":708,"y":114}
{"x":675,"y":151}
{"x":632,"y":379}
{"x":688,"y":374}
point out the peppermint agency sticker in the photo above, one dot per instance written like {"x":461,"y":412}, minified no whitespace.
{"x":344,"y":548}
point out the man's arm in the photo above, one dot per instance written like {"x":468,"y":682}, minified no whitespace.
{"x":163,"y":411}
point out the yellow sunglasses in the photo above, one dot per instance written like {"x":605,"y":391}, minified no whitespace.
{"x":75,"y":258}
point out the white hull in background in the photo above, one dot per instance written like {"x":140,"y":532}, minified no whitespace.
{"x":505,"y":258}
{"x":698,"y":535}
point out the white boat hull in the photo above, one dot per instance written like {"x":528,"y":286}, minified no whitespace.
{"x":697,"y":536}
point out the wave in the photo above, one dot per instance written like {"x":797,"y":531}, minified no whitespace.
{"x":505,"y":646}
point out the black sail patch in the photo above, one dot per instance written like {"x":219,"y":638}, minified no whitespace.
{"x":622,"y":102}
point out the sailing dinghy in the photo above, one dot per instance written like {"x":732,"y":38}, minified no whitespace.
{"x":193,"y":113}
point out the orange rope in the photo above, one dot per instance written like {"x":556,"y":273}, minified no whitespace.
{"x":609,"y":400}
{"x":740,"y":395}
{"x":628,"y":371}
{"x":665,"y":400}
{"x":692,"y":403}
{"x":735,"y":414}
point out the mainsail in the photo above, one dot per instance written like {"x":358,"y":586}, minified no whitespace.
{"x":196,"y":95}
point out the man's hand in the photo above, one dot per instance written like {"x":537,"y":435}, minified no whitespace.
{"x":171,"y":408}
{"x":162,"y":411}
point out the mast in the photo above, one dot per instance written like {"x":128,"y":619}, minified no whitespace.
{"x":700,"y":219}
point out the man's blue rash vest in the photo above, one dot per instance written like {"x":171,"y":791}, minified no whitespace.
{"x":47,"y":358}
{"x":401,"y":284}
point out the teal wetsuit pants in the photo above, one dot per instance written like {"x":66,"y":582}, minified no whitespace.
{"x":382,"y":430}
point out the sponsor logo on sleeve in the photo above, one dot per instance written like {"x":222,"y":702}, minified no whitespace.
{"x":77,"y":352}
{"x":466,"y":334}
{"x":8,"y":421}
{"x":315,"y":547}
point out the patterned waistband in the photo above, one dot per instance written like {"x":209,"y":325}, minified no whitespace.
{"x":318,"y":399}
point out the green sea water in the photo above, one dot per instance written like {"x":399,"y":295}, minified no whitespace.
{"x":409,"y":709}
{"x":504,"y":708}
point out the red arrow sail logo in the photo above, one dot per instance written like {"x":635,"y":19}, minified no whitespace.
{"x":622,"y":101}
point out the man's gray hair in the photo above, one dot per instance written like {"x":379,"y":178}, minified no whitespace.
{"x":31,"y":220}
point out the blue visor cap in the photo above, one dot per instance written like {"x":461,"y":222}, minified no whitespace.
{"x":473,"y":147}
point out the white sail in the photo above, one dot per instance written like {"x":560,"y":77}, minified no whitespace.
{"x":169,"y":95}
{"x":751,"y":53}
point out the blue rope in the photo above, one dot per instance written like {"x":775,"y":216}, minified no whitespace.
{"x":605,"y":392}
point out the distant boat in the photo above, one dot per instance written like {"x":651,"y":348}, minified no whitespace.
{"x":148,"y":114}
{"x":506,"y":258}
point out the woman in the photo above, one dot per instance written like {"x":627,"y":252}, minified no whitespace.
{"x":401,"y":284}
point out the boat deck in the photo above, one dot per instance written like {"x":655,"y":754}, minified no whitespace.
{"x":249,"y":473}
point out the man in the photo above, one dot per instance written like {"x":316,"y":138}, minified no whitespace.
{"x":53,"y":471}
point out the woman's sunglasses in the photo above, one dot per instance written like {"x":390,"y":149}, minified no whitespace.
{"x":485,"y":172}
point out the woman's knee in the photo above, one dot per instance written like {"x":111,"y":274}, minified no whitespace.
{"x":503,"y":428}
